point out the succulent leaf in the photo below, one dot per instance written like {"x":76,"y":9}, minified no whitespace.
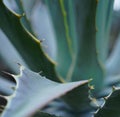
{"x":21,"y":11}
{"x":103,"y":26}
{"x":33,"y":92}
{"x":76,"y":40}
{"x":25,"y":43}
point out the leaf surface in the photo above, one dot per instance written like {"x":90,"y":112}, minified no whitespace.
{"x":25,"y":43}
{"x":103,"y":26}
{"x":76,"y":40}
{"x":33,"y":92}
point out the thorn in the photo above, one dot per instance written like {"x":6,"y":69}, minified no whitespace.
{"x":91,"y":87}
{"x":7,"y":73}
{"x":113,"y":88}
{"x":95,"y":102}
{"x":105,"y":98}
{"x":90,"y":80}
{"x":40,"y":72}
{"x":19,"y":64}
{"x":42,"y":40}
{"x":93,"y":113}
{"x":21,"y":15}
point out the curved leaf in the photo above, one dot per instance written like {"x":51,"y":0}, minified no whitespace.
{"x":76,"y":40}
{"x":103,"y":25}
{"x":33,"y":92}
{"x":63,"y":39}
{"x":113,"y":62}
{"x":26,"y":44}
{"x":42,"y":26}
{"x":8,"y":54}
{"x":23,"y":9}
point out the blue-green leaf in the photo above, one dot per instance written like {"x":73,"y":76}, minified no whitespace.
{"x":103,"y":26}
{"x":26,"y":44}
{"x":33,"y":92}
{"x":74,"y":22}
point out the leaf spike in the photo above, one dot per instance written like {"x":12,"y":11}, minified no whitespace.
{"x":19,"y":64}
{"x":91,"y":87}
{"x":42,"y":40}
{"x":105,"y":98}
{"x":21,"y":15}
{"x":94,"y":113}
{"x":5,"y":97}
{"x":40,"y":72}
{"x":90,"y":80}
{"x":95,"y":102}
{"x":114,"y":88}
{"x":7,"y":73}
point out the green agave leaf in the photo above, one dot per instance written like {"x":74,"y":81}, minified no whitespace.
{"x":64,"y":41}
{"x":103,"y":25}
{"x":25,"y":43}
{"x":33,"y":92}
{"x":113,"y":66}
{"x":111,"y":107}
{"x":76,"y":40}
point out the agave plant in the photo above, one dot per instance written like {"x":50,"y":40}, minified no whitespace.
{"x":80,"y":80}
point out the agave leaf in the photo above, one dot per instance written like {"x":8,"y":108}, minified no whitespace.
{"x":26,"y":10}
{"x":42,"y":26}
{"x":111,"y":107}
{"x":103,"y":25}
{"x":113,"y":62}
{"x":64,"y":48}
{"x":8,"y":54}
{"x":78,"y":99}
{"x":76,"y":40}
{"x":33,"y":92}
{"x":28,"y":7}
{"x":25,"y":43}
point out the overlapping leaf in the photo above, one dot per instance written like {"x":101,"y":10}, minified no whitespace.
{"x":26,"y":44}
{"x":76,"y":39}
{"x":103,"y":26}
{"x":34,"y":92}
